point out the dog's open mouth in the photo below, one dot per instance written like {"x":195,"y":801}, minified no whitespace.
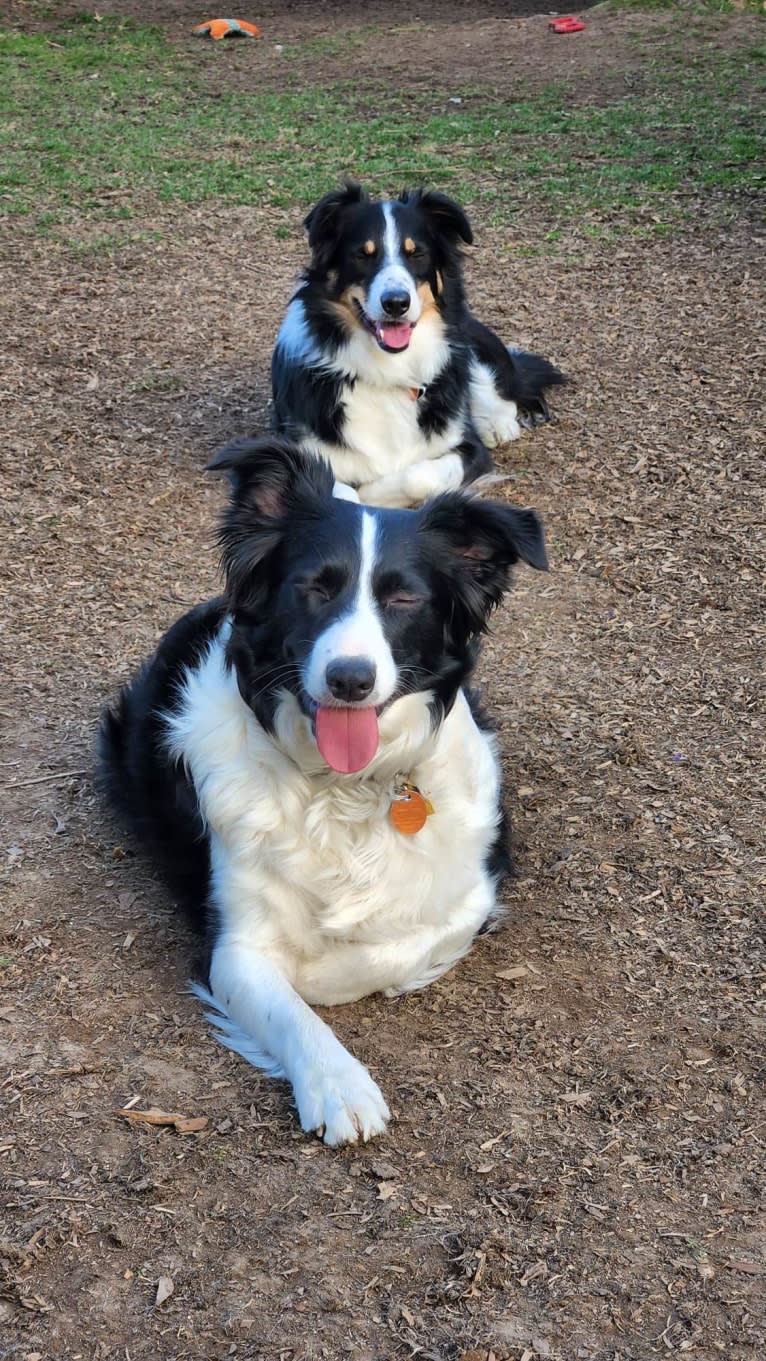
{"x":392,"y":336}
{"x":347,"y":736}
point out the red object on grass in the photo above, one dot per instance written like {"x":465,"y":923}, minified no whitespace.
{"x":566,"y":23}
{"x":226,"y":28}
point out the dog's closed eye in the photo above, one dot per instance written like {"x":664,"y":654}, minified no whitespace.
{"x":323,"y":588}
{"x":395,"y":592}
{"x":401,"y":600}
{"x":317,"y":595}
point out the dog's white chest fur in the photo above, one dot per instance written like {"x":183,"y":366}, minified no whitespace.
{"x":384,"y":451}
{"x":308,"y":866}
{"x":383,"y":435}
{"x":381,"y":429}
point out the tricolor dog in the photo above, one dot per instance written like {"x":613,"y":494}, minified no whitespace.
{"x":379,"y":365}
{"x":303,"y":760}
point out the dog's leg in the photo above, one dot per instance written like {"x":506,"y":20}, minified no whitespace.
{"x":431,"y":476}
{"x":261,"y":1017}
{"x":417,"y":483}
{"x":476,"y":461}
{"x":496,"y":418}
{"x":507,"y":386}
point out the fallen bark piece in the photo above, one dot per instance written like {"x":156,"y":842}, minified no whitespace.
{"x":165,"y":1288}
{"x":182,"y":1124}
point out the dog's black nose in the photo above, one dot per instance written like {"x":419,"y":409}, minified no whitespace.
{"x":350,"y":679}
{"x":395,"y":302}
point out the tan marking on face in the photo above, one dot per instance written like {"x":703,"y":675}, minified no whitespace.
{"x":427,"y":300}
{"x":439,"y":282}
{"x":370,"y":248}
{"x":409,"y":246}
{"x":344,"y":307}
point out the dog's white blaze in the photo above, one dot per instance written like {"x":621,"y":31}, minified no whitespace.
{"x":392,"y":239}
{"x":393,"y":274}
{"x":359,"y":633}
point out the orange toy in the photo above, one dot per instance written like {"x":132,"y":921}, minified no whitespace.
{"x":226,"y":28}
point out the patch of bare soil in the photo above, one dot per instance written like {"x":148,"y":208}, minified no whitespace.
{"x":476,"y":56}
{"x":297,"y":19}
{"x":576,"y":1165}
{"x":475,"y":53}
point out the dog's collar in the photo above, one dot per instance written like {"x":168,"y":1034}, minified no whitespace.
{"x":409,"y":808}
{"x":417,"y":393}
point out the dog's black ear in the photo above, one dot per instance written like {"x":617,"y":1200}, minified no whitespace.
{"x":269,"y":473}
{"x":477,"y":544}
{"x":324,"y":221}
{"x":269,"y":478}
{"x":447,"y":217}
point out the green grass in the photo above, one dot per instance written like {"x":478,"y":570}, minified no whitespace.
{"x":105,"y":116}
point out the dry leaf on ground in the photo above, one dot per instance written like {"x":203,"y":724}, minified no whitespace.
{"x":386,"y":1190}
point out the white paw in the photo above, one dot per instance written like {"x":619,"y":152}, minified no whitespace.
{"x":415,"y":484}
{"x":344,"y":492}
{"x":501,"y":429}
{"x":386,"y":491}
{"x":340,"y":1100}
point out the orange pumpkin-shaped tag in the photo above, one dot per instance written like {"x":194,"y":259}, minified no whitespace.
{"x":409,"y":809}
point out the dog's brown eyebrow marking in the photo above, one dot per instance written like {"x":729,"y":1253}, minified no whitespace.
{"x":370,"y":248}
{"x":409,"y":246}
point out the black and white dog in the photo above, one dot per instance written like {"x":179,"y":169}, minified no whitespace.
{"x":272,"y":754}
{"x":380,"y":367}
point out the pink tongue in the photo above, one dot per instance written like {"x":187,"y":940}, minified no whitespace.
{"x":395,"y":334}
{"x":347,"y":738}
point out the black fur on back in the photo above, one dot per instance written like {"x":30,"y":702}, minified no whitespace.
{"x":152,"y":797}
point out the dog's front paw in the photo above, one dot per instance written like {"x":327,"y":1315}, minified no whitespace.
{"x":341,"y":1101}
{"x":385,"y":491}
{"x":413,"y":485}
{"x":502,"y":427}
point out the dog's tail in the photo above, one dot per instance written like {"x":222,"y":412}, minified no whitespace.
{"x":112,"y":774}
{"x":520,"y":376}
{"x":530,"y":377}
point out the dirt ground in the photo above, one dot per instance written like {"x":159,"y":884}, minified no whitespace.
{"x":576,"y":1164}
